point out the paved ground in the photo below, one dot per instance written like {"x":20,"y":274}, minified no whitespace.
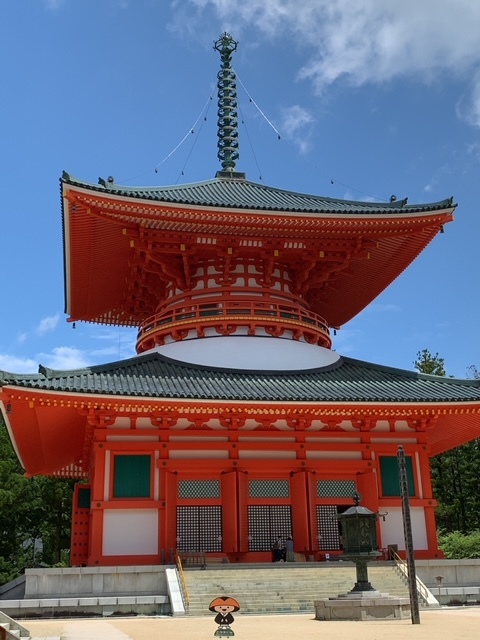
{"x":445,"y":624}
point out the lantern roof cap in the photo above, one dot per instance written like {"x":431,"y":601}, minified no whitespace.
{"x":357,"y":510}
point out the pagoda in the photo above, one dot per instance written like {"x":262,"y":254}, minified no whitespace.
{"x":235,"y":422}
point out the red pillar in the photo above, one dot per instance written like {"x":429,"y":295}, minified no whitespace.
{"x":242,"y":483}
{"x":300,"y":511}
{"x":367,"y":487}
{"x":229,"y":512}
{"x":429,"y":509}
{"x":168,"y":481}
{"x":97,"y":504}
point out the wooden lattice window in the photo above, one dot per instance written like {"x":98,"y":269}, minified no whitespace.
{"x":197,"y":489}
{"x":268,"y":489}
{"x":336,"y":488}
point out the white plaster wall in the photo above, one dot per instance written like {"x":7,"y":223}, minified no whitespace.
{"x":249,"y":352}
{"x":392,"y":528}
{"x":130,"y":532}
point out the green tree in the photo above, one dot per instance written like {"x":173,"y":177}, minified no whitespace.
{"x":455,"y":472}
{"x":12,"y":494}
{"x":457,"y":545}
{"x":431,"y":364}
{"x":30,"y":508}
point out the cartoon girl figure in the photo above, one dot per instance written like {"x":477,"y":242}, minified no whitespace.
{"x":224,"y":606}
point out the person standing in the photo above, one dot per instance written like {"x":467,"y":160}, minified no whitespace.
{"x":290,"y":554}
{"x":277,"y":550}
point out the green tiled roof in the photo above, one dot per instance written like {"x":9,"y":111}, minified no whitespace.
{"x":238,"y":193}
{"x":155,"y":376}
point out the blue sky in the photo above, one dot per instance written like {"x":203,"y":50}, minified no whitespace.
{"x":370,"y":99}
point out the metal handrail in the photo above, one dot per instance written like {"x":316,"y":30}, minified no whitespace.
{"x":183,"y":583}
{"x":422,"y":590}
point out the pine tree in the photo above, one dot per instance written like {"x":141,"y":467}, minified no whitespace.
{"x":455,"y":472}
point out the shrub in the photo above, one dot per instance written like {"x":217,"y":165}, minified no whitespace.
{"x":458,"y":545}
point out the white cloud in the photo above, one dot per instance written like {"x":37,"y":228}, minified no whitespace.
{"x":366,"y":41}
{"x":47,"y":324}
{"x":295,"y":121}
{"x":468,"y":106}
{"x":14,"y":364}
{"x":64,"y":358}
{"x":473,"y":150}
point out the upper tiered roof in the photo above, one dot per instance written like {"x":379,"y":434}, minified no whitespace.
{"x":342,"y":254}
{"x":231,"y":192}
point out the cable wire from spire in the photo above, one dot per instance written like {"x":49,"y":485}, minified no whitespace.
{"x":205,"y":109}
{"x":280,"y":137}
{"x":182,"y":173}
{"x":258,"y":108}
{"x":250,"y":143}
{"x":369,"y":195}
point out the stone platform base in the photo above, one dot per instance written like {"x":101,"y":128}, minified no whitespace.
{"x":367,"y":605}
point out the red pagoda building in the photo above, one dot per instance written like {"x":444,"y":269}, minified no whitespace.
{"x":235,"y":422}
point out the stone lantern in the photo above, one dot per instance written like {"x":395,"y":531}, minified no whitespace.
{"x":363,"y":602}
{"x":359,"y":535}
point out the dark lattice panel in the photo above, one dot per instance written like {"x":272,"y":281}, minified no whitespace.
{"x":199,"y":529}
{"x":336,"y":488}
{"x":199,"y":489}
{"x":328,"y":529}
{"x":266,"y":523}
{"x":268,"y":489}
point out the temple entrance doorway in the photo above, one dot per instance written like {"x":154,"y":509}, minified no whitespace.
{"x":266,"y":523}
{"x":199,"y":529}
{"x":329,"y":528}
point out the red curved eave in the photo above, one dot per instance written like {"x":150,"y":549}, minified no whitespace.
{"x":97,"y":267}
{"x":460,"y":424}
{"x":348,"y":293}
{"x":100,"y":232}
{"x":46,"y":439}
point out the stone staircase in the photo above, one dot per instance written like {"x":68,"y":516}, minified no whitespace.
{"x":11,"y":630}
{"x":284,"y":588}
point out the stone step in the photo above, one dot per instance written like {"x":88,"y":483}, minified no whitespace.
{"x":13,"y":632}
{"x":277,"y":590}
{"x":285,"y":585}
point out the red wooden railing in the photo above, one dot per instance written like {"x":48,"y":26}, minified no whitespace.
{"x":233,"y":312}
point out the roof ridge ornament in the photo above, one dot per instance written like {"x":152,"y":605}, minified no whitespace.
{"x":227,"y":104}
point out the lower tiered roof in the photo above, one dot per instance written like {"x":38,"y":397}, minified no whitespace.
{"x":156,"y":376}
{"x":45,"y":412}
